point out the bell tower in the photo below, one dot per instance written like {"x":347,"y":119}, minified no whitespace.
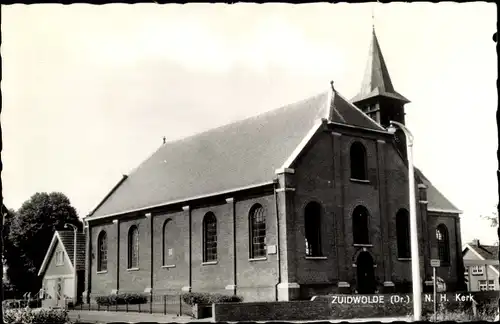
{"x":377,"y":97}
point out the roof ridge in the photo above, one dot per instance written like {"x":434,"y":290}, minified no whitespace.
{"x":260,"y":115}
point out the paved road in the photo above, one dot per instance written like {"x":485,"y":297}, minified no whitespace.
{"x":106,"y":317}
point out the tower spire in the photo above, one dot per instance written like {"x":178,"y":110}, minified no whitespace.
{"x":377,"y":81}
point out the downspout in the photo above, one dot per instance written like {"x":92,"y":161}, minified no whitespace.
{"x":277,"y":235}
{"x":152,"y":254}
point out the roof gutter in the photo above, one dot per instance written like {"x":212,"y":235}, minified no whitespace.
{"x":185,"y":200}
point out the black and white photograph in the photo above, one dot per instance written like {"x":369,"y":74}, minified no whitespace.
{"x":226,"y":162}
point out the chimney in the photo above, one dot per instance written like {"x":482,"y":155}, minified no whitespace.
{"x":475,"y":242}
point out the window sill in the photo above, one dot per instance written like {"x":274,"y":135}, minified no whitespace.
{"x":102,"y":272}
{"x":316,"y":258}
{"x":209,"y":263}
{"x":363,"y":245}
{"x":478,"y":274}
{"x":168,"y":266}
{"x":257,"y":259}
{"x":360,"y":181}
{"x":404,"y":259}
{"x":132,"y":269}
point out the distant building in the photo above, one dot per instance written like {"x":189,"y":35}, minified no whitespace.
{"x":57,"y":269}
{"x":308,"y":199}
{"x":480,"y":277}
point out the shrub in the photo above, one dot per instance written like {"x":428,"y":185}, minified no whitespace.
{"x":122,"y":299}
{"x":35,"y":316}
{"x":193,"y":298}
{"x":21,"y":303}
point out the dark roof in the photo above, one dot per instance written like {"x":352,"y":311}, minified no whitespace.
{"x":489,"y":252}
{"x":436,"y":200}
{"x":67,"y":239}
{"x":376,"y":81}
{"x":226,"y":158}
{"x":344,"y":112}
{"x":233,"y":156}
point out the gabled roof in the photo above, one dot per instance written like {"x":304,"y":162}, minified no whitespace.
{"x":66,"y":238}
{"x":436,"y":201}
{"x":239,"y":155}
{"x":376,"y":81}
{"x":484,"y":252}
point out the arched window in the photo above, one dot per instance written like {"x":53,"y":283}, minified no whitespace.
{"x":133,"y":247}
{"x":360,"y":226}
{"x":257,"y":232}
{"x":312,"y":226}
{"x":102,"y":252}
{"x":167,"y":249}
{"x":443,"y":243}
{"x":358,"y":161}
{"x":403,"y":233}
{"x":209,"y":238}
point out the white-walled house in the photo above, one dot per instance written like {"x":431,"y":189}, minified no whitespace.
{"x":479,"y":276}
{"x":57,"y":269}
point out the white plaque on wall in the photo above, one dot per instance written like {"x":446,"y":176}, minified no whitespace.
{"x":271,"y":249}
{"x":170,"y":252}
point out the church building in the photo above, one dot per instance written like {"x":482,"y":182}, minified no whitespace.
{"x":311,"y":198}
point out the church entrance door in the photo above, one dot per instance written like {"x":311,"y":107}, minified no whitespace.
{"x":365,"y":274}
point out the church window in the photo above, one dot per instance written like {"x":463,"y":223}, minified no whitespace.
{"x":167,"y":249}
{"x":312,"y":226}
{"x":360,"y":226}
{"x":102,"y":252}
{"x":443,"y":243}
{"x":358,"y":161}
{"x":403,"y":233}
{"x":209,"y":238}
{"x":133,"y":247}
{"x":257,"y":232}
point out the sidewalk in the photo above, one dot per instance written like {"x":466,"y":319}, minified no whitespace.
{"x":109,"y":317}
{"x":86,"y":316}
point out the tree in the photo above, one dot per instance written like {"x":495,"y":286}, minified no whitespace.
{"x":493,"y":218}
{"x":30,"y":233}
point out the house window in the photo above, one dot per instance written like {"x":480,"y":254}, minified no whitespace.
{"x":102,"y":252}
{"x":133,"y":247}
{"x":360,"y":226}
{"x":477,"y":270}
{"x":167,"y":249}
{"x":209,"y":238}
{"x":358,"y":161}
{"x":59,"y":258}
{"x":257,"y":232}
{"x":443,"y":243}
{"x":491,"y":285}
{"x":403,"y":233}
{"x":482,"y":285}
{"x":312,"y":220}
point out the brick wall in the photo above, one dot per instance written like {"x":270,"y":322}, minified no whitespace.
{"x":256,"y":280}
{"x":140,"y":279}
{"x":103,"y":283}
{"x":326,"y":308}
{"x":450,"y":273}
{"x":322,"y":174}
{"x":173,"y":274}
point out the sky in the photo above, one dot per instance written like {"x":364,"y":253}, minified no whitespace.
{"x":89,"y":91}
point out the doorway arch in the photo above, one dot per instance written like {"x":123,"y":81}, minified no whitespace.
{"x":365,"y":273}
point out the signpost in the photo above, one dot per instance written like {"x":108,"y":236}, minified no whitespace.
{"x":435,"y":263}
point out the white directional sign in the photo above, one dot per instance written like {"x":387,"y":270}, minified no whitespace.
{"x":435,"y":263}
